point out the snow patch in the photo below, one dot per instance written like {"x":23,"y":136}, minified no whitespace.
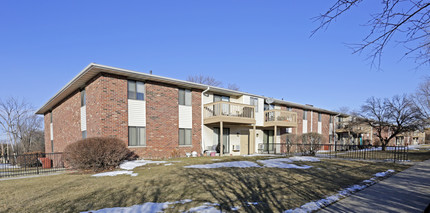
{"x":279,"y":163}
{"x":382,"y":174}
{"x":8,"y":166}
{"x":115,"y":173}
{"x":149,"y":207}
{"x":237,"y":164}
{"x":304,"y":158}
{"x":316,"y":205}
{"x":130,"y":165}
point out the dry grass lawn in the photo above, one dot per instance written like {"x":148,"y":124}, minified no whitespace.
{"x":274,"y":189}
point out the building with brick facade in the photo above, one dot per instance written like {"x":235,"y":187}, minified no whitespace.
{"x":159,"y":117}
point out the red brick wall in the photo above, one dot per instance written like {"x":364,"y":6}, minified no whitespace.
{"x":299,"y":128}
{"x":314,"y":121}
{"x":197,"y":122}
{"x":66,"y":123}
{"x":325,"y":122}
{"x":107,"y":111}
{"x":162,"y":122}
{"x":47,"y":122}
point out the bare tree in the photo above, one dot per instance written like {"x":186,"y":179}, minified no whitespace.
{"x":408,"y":18}
{"x":344,"y":110}
{"x":233,"y":87}
{"x":30,"y":134}
{"x":391,"y":117}
{"x":422,"y":98}
{"x":201,"y":79}
{"x":19,"y":124}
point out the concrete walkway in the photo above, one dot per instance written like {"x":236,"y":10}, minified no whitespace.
{"x":407,"y":191}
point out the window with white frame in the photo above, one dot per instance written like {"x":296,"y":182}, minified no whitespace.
{"x":305,"y":115}
{"x":83,"y":98}
{"x":319,"y":116}
{"x":136,"y":90}
{"x":185,"y":97}
{"x":184,"y":136}
{"x":136,"y":136}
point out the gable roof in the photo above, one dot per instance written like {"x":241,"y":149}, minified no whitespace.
{"x":89,"y":72}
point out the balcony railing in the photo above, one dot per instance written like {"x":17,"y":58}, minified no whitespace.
{"x":230,"y":112}
{"x":277,"y":117}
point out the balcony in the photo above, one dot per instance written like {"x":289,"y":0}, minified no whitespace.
{"x":228,"y":112}
{"x":281,"y":118}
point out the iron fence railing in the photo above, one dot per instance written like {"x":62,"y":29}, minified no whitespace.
{"x":30,"y":164}
{"x":362,"y":152}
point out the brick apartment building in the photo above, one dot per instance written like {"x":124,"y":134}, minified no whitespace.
{"x":160,"y":117}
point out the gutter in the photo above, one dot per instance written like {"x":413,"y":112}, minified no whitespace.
{"x":203,"y":93}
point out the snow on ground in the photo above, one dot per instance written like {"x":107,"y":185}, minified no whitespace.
{"x":148,"y":207}
{"x":130,"y":165}
{"x":276,"y":163}
{"x":205,"y":208}
{"x":151,"y":207}
{"x":282,"y":163}
{"x":239,"y":164}
{"x":383,"y":174}
{"x":256,"y":155}
{"x":7,"y":166}
{"x":316,"y":205}
{"x":115,"y":173}
{"x":304,"y":158}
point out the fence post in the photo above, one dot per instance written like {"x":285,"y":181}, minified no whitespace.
{"x":395,"y":152}
{"x":364,"y":153}
{"x":37,"y":162}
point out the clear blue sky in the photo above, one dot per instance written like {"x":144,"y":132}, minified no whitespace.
{"x":262,"y":46}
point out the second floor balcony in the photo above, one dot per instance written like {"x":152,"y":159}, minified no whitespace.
{"x":281,"y":118}
{"x":229,"y":112}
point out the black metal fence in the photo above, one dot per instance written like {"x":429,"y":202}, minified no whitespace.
{"x":30,"y":164}
{"x":361,"y":152}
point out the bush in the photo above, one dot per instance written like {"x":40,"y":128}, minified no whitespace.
{"x":29,"y":159}
{"x":312,"y":143}
{"x":96,"y":154}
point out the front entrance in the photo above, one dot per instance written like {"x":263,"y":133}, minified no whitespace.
{"x":244,"y":142}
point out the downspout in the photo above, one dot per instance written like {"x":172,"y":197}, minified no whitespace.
{"x":202,"y":132}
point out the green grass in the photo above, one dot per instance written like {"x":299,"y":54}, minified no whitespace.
{"x":275,"y":189}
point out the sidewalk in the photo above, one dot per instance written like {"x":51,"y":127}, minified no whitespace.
{"x":407,"y":191}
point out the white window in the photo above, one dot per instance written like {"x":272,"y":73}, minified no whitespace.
{"x":136,"y":136}
{"x":319,"y":117}
{"x":136,"y":90}
{"x":185,"y":97}
{"x":254,"y":101}
{"x":184,"y":136}
{"x":83,"y":98}
{"x":305,"y":115}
